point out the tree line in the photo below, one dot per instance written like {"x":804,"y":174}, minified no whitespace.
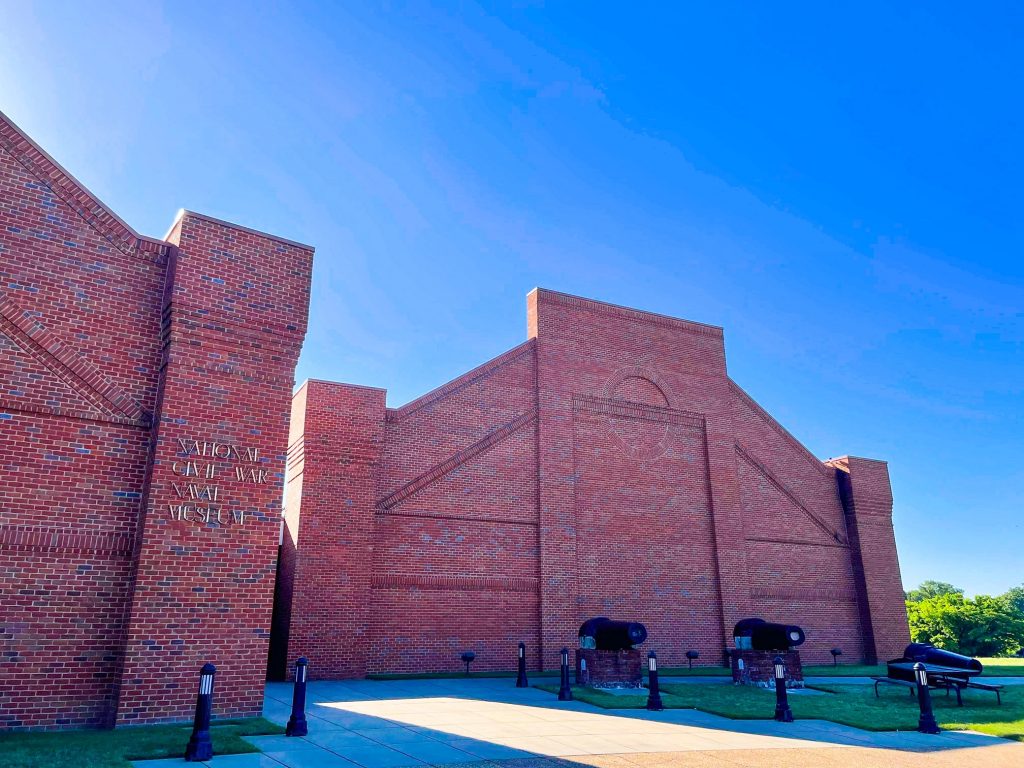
{"x":979,"y":626}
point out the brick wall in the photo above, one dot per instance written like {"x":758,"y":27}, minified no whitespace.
{"x":867,"y":500}
{"x":798,"y":547}
{"x":335,"y":443}
{"x":111,"y":346}
{"x":608,"y":466}
{"x":79,"y":366}
{"x":236,"y":316}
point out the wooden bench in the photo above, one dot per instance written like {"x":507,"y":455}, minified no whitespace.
{"x":943,"y":682}
{"x":938,"y":684}
{"x":959,"y":683}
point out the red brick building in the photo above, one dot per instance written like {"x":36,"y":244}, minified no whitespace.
{"x":145,"y":387}
{"x":606,"y":466}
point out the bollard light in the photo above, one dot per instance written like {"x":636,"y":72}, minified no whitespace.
{"x":467,"y":659}
{"x":521,"y":681}
{"x":836,"y":653}
{"x":564,"y":689}
{"x":654,"y":703}
{"x":782,"y":711}
{"x":926,"y":723}
{"x":199,"y":747}
{"x":297,"y":725}
{"x":691,"y":656}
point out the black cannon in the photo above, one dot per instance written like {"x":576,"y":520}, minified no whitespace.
{"x":929,"y":654}
{"x":606,"y":635}
{"x":942,"y":669}
{"x":937,"y":662}
{"x":760,"y":635}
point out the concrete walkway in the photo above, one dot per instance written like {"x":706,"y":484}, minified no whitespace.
{"x":392,"y":724}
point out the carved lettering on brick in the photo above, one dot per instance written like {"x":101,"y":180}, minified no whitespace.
{"x":196,"y":499}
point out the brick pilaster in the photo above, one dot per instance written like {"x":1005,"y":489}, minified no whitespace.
{"x":234,"y":318}
{"x":867,"y":501}
{"x":336,"y":442}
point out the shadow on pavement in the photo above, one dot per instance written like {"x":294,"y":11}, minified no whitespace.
{"x":387,"y":724}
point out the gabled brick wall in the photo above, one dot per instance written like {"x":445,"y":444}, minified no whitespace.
{"x":112,"y":346}
{"x":608,"y":466}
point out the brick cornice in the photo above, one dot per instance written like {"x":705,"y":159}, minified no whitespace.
{"x":247,"y":374}
{"x":797,"y":542}
{"x":13,"y":406}
{"x":460,"y":582}
{"x":42,"y":539}
{"x":196,"y":320}
{"x":626,"y":313}
{"x":809,"y":594}
{"x":641,"y":411}
{"x":523,"y":521}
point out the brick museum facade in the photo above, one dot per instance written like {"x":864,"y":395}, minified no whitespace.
{"x":149,"y":433}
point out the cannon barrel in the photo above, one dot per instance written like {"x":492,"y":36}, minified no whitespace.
{"x":929,"y":654}
{"x":760,"y":635}
{"x":607,"y":635}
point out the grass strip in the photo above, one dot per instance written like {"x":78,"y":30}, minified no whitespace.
{"x":117,"y":748}
{"x":854,"y":705}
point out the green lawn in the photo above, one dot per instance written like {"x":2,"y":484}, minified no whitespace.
{"x":117,"y":748}
{"x":993,"y":668}
{"x":1001,"y":667}
{"x":854,"y":705}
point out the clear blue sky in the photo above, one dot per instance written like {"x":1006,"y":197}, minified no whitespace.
{"x":841,"y":190}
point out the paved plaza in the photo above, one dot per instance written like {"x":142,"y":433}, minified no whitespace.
{"x":391,"y":724}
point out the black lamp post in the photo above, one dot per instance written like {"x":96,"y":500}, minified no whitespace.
{"x":297,"y":725}
{"x":565,"y":690}
{"x":467,"y":659}
{"x":691,"y":656}
{"x":782,"y":711}
{"x":836,"y":653}
{"x":521,"y":681}
{"x":199,"y":747}
{"x":926,"y":723}
{"x":653,"y":691}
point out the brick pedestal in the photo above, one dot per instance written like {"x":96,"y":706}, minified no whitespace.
{"x":609,"y":669}
{"x":758,"y":668}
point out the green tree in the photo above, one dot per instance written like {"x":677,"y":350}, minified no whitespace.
{"x":982,"y":626}
{"x":1015,"y":599}
{"x":932,"y":589}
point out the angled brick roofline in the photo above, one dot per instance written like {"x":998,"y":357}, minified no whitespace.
{"x":768,"y":419}
{"x":486,"y":369}
{"x":58,"y":180}
{"x":785,"y":491}
{"x":627,"y":313}
{"x":90,"y":208}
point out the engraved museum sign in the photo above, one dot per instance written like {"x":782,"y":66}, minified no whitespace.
{"x":202,"y":470}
